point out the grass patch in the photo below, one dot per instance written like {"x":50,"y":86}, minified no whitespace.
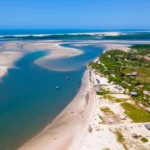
{"x":113,"y":99}
{"x":106,"y":148}
{"x":144,"y":73}
{"x":105,"y":109}
{"x":100,"y":117}
{"x":136,"y":114}
{"x":120,"y":138}
{"x":117,"y":100}
{"x":143,"y":139}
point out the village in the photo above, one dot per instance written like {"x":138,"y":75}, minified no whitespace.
{"x":122,"y":117}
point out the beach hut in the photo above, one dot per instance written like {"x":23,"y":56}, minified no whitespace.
{"x":133,"y":94}
{"x":147,"y":126}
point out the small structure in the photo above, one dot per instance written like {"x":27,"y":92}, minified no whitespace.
{"x":97,"y":127}
{"x":122,"y":117}
{"x":148,"y":109}
{"x":135,"y":136}
{"x":134,"y":74}
{"x":118,"y":87}
{"x":133,"y":94}
{"x":147,"y":126}
{"x":90,"y":128}
{"x":146,"y":92}
{"x":110,"y":120}
{"x":128,"y":74}
{"x":140,"y":86}
{"x":141,"y":105}
{"x":97,"y":81}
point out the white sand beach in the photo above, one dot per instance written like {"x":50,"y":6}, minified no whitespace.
{"x":68,"y":129}
{"x":10,"y":52}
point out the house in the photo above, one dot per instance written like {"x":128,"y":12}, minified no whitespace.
{"x":133,"y":94}
{"x":147,"y":126}
{"x":128,"y":74}
{"x":134,"y":74}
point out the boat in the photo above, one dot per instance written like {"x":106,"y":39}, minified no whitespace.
{"x":57,"y":87}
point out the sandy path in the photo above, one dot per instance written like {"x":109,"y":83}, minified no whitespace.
{"x":68,"y":129}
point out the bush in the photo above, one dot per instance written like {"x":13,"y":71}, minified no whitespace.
{"x":143,"y":139}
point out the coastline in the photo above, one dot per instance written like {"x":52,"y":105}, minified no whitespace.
{"x":10,"y":52}
{"x":74,"y":119}
{"x":69,"y":127}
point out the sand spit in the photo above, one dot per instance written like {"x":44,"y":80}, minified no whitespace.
{"x":7,"y":59}
{"x":10,"y":52}
{"x":68,"y":129}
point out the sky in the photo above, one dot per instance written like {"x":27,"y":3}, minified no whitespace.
{"x":75,"y":14}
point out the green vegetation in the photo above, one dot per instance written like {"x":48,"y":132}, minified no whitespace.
{"x":116,"y":64}
{"x":135,"y":113}
{"x":105,"y":109}
{"x":106,"y":148}
{"x":143,"y":139}
{"x":120,"y":138}
{"x":113,"y":99}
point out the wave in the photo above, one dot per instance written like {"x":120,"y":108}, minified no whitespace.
{"x":92,"y":35}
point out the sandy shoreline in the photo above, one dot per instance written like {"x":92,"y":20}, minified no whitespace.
{"x":10,"y":52}
{"x":69,"y":127}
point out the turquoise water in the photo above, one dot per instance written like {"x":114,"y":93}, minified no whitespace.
{"x":29,"y":99}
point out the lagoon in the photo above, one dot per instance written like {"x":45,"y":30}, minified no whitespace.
{"x":28,"y":96}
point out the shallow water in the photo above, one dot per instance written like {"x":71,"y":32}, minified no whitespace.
{"x":29,"y":99}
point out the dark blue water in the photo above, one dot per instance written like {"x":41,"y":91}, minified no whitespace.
{"x":29,"y":99}
{"x":49,"y":34}
{"x":58,"y":31}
